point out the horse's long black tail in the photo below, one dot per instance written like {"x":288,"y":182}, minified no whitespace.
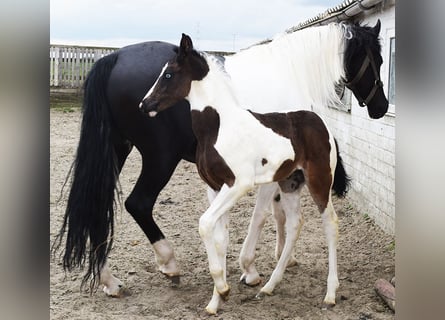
{"x":89,"y":212}
{"x":341,"y":179}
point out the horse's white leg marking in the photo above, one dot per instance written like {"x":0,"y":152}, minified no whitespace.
{"x":221,"y":235}
{"x":291,"y":207}
{"x":165,"y":258}
{"x":216,"y":240}
{"x":330,"y":224}
{"x":112,"y":285}
{"x":211,"y":194}
{"x":247,"y":256}
{"x":280,"y":220}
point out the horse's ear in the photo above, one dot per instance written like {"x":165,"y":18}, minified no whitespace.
{"x":376,"y":28}
{"x":185,"y":47}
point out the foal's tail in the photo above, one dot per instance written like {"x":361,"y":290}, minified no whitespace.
{"x":90,"y":209}
{"x":341,"y":179}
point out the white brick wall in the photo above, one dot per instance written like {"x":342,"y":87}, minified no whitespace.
{"x":368,"y":146}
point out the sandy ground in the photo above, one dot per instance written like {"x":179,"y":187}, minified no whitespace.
{"x":365,"y":254}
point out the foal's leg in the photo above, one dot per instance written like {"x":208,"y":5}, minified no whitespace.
{"x":211,"y":194}
{"x":221,"y":236}
{"x":280,"y":220}
{"x":293,"y":183}
{"x":320,"y":188}
{"x":330,"y":225}
{"x":291,"y":206}
{"x":250,"y":275}
{"x":215,"y":238}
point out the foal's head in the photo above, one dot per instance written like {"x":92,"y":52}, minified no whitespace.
{"x":362,"y":63}
{"x":175,"y":79}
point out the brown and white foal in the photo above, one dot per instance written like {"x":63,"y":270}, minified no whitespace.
{"x":238,"y":149}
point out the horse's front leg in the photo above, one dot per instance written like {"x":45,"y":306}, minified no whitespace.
{"x":250,"y":275}
{"x":213,"y":229}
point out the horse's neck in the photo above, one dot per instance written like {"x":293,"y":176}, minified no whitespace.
{"x":294,"y":71}
{"x":216,"y":91}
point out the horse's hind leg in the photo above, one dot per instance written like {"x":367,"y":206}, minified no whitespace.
{"x":114,"y":287}
{"x":280,"y":221}
{"x":250,"y":275}
{"x":291,"y":205}
{"x":153,"y":178}
{"x":330,"y":224}
{"x":320,"y":188}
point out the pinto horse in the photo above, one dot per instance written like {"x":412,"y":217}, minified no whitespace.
{"x":307,"y":63}
{"x":238,"y":149}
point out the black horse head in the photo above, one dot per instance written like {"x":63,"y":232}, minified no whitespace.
{"x":362,"y":63}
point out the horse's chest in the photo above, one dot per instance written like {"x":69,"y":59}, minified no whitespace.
{"x":212,"y":168}
{"x":239,"y":145}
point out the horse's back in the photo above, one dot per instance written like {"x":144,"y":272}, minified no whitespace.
{"x":137,"y":68}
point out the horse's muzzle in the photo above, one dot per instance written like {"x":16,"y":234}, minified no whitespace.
{"x":150,"y":107}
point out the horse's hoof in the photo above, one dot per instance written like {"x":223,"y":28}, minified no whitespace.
{"x":176,"y":280}
{"x":261,"y":295}
{"x":327,"y":305}
{"x":124,"y":292}
{"x":254,"y":283}
{"x":225,"y":294}
{"x":292,"y":263}
{"x":211,"y":311}
{"x":120,"y":293}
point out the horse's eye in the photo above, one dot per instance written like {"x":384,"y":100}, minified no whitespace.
{"x":168,"y":75}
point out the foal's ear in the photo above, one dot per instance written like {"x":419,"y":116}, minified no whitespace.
{"x":185,"y":47}
{"x":376,"y":28}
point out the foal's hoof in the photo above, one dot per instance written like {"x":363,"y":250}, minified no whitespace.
{"x":261,"y":295}
{"x":253,"y":283}
{"x":225,"y":294}
{"x":327,"y":305}
{"x":174,"y":278}
{"x":292,"y":262}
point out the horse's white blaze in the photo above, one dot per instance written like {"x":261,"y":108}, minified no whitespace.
{"x":302,"y":69}
{"x":154,"y":86}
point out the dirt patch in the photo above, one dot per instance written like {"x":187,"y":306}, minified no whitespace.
{"x":365,"y":254}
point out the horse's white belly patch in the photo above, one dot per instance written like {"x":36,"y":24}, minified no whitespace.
{"x":251,"y":149}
